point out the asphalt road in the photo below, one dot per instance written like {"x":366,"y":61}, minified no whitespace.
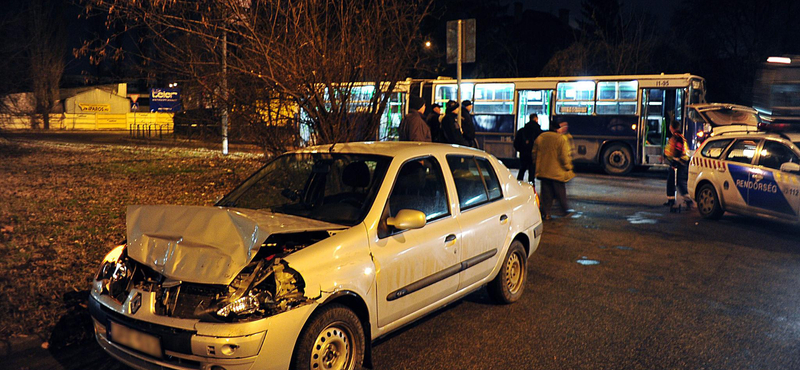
{"x":622,"y":284}
{"x":625,"y":284}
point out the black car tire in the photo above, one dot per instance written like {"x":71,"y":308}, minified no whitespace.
{"x":708,"y":202}
{"x":509,"y":283}
{"x":333,"y":338}
{"x":617,"y":160}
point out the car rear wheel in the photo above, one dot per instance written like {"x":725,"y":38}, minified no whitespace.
{"x":708,"y":203}
{"x":332,"y":339}
{"x":507,"y":287}
{"x":617,"y":160}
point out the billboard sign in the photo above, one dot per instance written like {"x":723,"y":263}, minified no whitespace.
{"x":165,"y":100}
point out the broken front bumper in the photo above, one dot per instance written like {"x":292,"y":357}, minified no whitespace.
{"x":147,"y":341}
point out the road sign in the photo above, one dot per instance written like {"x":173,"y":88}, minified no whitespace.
{"x":134,"y":97}
{"x":467,"y":41}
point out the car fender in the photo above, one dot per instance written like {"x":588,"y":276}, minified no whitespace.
{"x":341,"y":262}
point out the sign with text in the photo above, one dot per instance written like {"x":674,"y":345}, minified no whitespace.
{"x":165,"y":100}
{"x":95,"y":107}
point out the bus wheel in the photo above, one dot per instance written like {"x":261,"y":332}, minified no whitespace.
{"x":617,"y":160}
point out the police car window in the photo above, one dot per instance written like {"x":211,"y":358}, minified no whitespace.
{"x":743,"y":151}
{"x":774,"y":154}
{"x":715,"y":148}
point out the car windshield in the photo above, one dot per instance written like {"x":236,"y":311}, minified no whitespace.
{"x":724,"y":116}
{"x":331,"y":187}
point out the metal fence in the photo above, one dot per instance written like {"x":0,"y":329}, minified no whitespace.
{"x":149,"y":130}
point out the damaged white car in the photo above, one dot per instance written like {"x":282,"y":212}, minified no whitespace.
{"x":315,"y":255}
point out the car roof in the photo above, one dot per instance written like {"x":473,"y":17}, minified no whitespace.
{"x":395,"y":149}
{"x":791,"y":136}
{"x":702,"y":107}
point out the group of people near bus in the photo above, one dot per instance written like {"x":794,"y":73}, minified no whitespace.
{"x":544,"y":155}
{"x":438,"y":128}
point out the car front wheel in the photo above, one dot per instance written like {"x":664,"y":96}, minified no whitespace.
{"x":332,"y":339}
{"x":708,"y":203}
{"x":507,"y":287}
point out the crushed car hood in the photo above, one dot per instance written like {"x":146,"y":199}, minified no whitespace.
{"x":207,"y":245}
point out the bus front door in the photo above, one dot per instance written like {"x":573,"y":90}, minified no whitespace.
{"x":657,"y":107}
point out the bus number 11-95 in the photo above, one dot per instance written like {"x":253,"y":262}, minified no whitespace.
{"x":663,"y":83}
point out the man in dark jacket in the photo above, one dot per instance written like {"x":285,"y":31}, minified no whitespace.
{"x":523,"y":143}
{"x":450,"y":129}
{"x":413,"y":126}
{"x":468,"y":123}
{"x":434,"y":123}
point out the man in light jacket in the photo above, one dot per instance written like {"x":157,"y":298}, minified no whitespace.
{"x":552,"y":155}
{"x":413,"y":126}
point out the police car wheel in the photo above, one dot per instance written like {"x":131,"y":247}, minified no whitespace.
{"x":708,"y":203}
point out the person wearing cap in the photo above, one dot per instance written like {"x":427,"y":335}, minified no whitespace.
{"x":468,"y":123}
{"x":434,"y":123}
{"x":413,"y":126}
{"x":450,"y":129}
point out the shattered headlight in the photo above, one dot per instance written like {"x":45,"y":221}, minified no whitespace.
{"x":114,"y":274}
{"x":241,"y":306}
{"x":265,"y":288}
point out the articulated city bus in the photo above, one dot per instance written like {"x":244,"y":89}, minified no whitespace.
{"x":617,"y":122}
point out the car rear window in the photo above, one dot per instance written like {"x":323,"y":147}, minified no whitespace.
{"x":714,"y":149}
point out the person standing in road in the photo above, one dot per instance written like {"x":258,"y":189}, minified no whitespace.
{"x":523,"y":143}
{"x":553,"y":160}
{"x":413,"y":126}
{"x":676,"y":153}
{"x":434,"y":123}
{"x":450,"y":129}
{"x":468,"y":123}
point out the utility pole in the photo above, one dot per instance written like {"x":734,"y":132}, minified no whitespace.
{"x":225,"y":92}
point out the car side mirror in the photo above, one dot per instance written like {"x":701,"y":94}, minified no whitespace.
{"x":790,"y":167}
{"x":407,"y":219}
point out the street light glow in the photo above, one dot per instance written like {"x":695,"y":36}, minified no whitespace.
{"x":427,"y":44}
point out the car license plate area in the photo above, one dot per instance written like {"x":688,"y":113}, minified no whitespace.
{"x":135,"y":339}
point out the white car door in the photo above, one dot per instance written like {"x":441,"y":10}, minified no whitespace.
{"x":776,"y":192}
{"x":484,"y":216}
{"x":416,"y":267}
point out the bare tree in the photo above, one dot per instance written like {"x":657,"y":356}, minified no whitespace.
{"x":282,"y":57}
{"x":35,"y":50}
{"x":45,"y":51}
{"x":609,"y":42}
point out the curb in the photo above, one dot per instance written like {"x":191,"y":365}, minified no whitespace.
{"x":14,"y":345}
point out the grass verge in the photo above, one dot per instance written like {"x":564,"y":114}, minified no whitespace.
{"x":62,"y":208}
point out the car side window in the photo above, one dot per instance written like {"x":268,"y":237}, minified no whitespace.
{"x":714,"y":149}
{"x":475,"y":185}
{"x":743,"y":151}
{"x":774,"y":154}
{"x":420,"y":186}
{"x":490,"y":177}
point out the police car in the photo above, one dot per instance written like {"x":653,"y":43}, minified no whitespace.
{"x":749,"y":173}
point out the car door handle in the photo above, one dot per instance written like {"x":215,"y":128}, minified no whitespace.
{"x":450,"y":238}
{"x":503,"y":219}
